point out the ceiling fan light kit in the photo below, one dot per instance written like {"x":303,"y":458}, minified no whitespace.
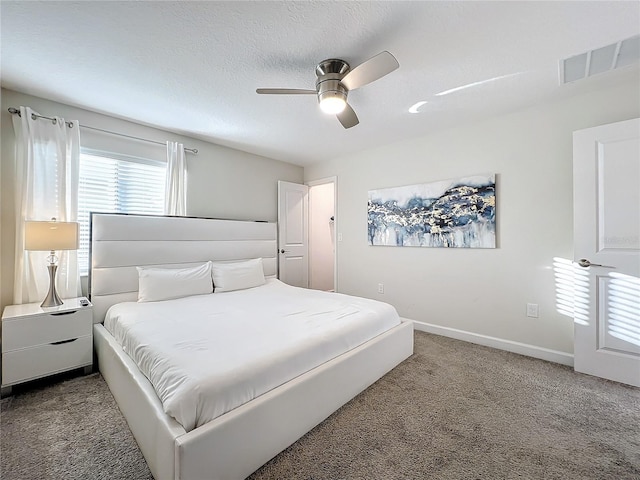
{"x":334,"y":80}
{"x":332,"y":102}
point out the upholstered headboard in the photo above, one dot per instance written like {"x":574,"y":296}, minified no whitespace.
{"x":121,"y":242}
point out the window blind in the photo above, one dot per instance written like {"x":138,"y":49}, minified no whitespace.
{"x":115,"y":184}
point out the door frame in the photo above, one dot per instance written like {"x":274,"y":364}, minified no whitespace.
{"x":323,"y":181}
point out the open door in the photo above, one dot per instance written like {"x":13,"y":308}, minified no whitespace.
{"x":606,"y":176}
{"x":293,"y":234}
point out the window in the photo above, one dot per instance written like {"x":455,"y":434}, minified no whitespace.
{"x":111,"y":183}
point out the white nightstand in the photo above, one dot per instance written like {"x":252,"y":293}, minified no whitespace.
{"x":37,"y":342}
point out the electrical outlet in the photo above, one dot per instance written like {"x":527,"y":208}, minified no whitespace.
{"x":339,"y":237}
{"x":381,"y":288}
{"x":532,"y":310}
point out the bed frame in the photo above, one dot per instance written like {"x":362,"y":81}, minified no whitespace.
{"x":235,"y":444}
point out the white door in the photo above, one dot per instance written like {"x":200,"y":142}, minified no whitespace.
{"x":293,"y":234}
{"x":606,"y":186}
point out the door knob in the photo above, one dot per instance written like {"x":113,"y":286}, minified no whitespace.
{"x":585,"y":263}
{"x":284,"y":251}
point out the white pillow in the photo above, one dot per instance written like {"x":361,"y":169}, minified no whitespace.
{"x":156,"y":284}
{"x":237,"y":275}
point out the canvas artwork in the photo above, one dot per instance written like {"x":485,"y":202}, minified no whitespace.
{"x":459,"y":213}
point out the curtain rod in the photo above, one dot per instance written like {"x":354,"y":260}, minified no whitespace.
{"x":15,"y":111}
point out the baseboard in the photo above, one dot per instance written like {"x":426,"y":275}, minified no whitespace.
{"x":555,"y":356}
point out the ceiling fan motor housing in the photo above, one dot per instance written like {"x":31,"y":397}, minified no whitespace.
{"x":329,"y":73}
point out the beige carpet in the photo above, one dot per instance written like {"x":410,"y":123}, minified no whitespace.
{"x":452,"y":411}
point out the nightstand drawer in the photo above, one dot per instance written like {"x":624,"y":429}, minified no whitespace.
{"x":45,"y":328}
{"x":29,"y":363}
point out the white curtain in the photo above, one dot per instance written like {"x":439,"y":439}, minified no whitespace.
{"x":175,"y":193}
{"x":47,"y":168}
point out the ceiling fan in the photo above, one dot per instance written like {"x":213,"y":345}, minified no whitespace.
{"x":336,"y":79}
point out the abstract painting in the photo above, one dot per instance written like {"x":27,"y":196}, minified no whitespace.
{"x":458,"y":213}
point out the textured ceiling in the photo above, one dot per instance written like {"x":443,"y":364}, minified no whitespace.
{"x":193,"y":67}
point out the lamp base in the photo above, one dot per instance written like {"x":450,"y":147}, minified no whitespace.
{"x":52,"y":299}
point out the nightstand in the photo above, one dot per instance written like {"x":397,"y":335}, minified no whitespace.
{"x":37,"y":342}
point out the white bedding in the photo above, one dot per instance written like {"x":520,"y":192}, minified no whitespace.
{"x":208,"y":354}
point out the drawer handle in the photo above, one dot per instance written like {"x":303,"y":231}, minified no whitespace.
{"x":64,"y":341}
{"x":63,"y":313}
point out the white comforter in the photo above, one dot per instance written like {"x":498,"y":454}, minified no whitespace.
{"x":208,"y":354}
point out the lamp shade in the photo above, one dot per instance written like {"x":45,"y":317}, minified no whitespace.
{"x":51,"y":236}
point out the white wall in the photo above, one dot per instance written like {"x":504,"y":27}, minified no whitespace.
{"x":480,"y":291}
{"x":321,"y":248}
{"x":222,"y":182}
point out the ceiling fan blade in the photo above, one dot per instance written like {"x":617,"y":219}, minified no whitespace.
{"x":348,"y":117}
{"x":370,"y":71}
{"x":285,"y":91}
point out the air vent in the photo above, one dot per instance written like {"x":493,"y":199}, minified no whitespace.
{"x":617,"y":55}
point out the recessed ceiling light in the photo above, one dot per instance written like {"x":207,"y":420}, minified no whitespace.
{"x":415,"y":108}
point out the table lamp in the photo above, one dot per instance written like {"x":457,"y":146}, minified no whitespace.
{"x":51,"y":236}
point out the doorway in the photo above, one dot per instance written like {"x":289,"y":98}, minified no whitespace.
{"x":322,"y":234}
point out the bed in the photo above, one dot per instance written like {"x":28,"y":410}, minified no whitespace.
{"x":235,"y":440}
